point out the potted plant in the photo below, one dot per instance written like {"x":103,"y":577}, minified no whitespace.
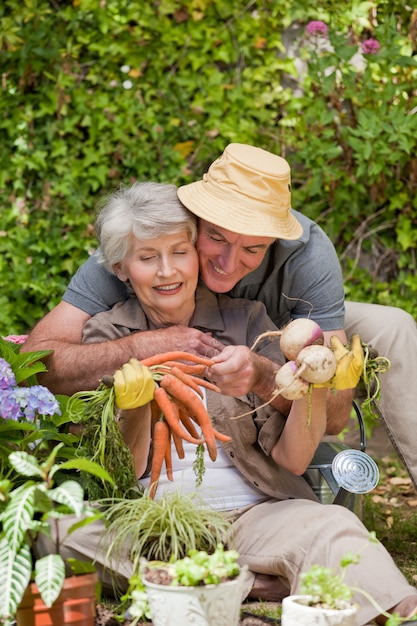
{"x":325,"y":598}
{"x":37,"y":487}
{"x":200,"y":588}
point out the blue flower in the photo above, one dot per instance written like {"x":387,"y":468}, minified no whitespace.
{"x":41,"y":401}
{"x":7,"y":378}
{"x":10,"y":408}
{"x":24,"y":402}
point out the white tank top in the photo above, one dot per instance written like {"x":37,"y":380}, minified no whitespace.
{"x":222,"y":487}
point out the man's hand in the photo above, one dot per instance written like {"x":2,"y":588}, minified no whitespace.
{"x":349,"y":363}
{"x":184,"y":338}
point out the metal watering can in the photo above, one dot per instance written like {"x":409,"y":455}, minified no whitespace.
{"x":341,"y":475}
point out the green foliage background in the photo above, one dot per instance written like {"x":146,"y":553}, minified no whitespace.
{"x":201,"y":74}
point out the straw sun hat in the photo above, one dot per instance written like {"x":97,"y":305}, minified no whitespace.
{"x":247,"y":190}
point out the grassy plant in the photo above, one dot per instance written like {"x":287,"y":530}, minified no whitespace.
{"x":163,"y":529}
{"x":102,"y":442}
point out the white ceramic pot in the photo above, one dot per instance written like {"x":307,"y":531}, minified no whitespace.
{"x":296,"y":614}
{"x":208,"y":605}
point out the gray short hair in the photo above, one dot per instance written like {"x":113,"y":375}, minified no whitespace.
{"x":145,"y":210}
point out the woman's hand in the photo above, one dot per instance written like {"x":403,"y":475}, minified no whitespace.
{"x":238,"y":371}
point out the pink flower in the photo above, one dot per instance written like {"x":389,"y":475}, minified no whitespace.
{"x":19,"y":339}
{"x":370,"y":46}
{"x":316,"y":27}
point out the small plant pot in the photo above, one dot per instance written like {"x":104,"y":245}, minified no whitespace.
{"x":294,"y":613}
{"x":75,"y":606}
{"x":205,"y":605}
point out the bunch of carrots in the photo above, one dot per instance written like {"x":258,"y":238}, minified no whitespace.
{"x":177,"y":408}
{"x":171,"y":382}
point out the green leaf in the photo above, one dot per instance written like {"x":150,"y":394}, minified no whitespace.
{"x":25,"y":365}
{"x":80,"y":567}
{"x":91,"y":467}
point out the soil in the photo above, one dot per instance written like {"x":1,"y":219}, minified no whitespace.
{"x":160,"y":576}
{"x":106,"y":618}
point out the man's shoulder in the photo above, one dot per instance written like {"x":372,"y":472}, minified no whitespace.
{"x":93,"y":288}
{"x":313,"y":240}
{"x":311,"y":231}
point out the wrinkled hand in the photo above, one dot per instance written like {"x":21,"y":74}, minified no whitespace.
{"x":133,"y":385}
{"x":233,"y":371}
{"x":191,"y":340}
{"x":349,"y":363}
{"x":238,"y":370}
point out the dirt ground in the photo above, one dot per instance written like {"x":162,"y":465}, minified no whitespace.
{"x":105,"y":618}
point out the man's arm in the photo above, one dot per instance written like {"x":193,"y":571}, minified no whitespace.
{"x":74,"y":366}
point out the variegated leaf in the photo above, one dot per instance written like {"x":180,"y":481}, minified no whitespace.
{"x":18,"y":515}
{"x":15,"y":573}
{"x":50,"y":576}
{"x":25,"y":464}
{"x":71,"y":494}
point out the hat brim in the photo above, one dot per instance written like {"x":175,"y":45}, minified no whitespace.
{"x":236,"y":217}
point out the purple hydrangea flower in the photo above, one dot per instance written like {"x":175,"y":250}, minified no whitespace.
{"x":27,"y":402}
{"x":41,"y":401}
{"x":316,"y":27}
{"x":10,"y":408}
{"x":7,"y":378}
{"x":370,"y":46}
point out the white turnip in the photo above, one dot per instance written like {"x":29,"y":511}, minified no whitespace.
{"x":316,"y":364}
{"x":298,"y":334}
{"x":295,"y":336}
{"x":288,"y":384}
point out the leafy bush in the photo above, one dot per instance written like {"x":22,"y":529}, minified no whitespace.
{"x":353,"y":143}
{"x":99,"y":93}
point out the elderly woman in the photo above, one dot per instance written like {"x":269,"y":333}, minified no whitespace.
{"x":280,"y":529}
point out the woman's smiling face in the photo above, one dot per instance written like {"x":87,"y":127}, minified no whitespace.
{"x":163,"y":273}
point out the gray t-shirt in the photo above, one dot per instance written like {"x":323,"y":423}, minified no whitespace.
{"x":300,"y":278}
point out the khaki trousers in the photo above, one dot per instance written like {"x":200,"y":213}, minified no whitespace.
{"x":285,"y":538}
{"x":393,"y":333}
{"x":277,"y":538}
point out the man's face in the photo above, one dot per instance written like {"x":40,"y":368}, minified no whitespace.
{"x":226,"y":257}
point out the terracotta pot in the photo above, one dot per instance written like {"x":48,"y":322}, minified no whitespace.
{"x":75,"y":606}
{"x":296,"y":614}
